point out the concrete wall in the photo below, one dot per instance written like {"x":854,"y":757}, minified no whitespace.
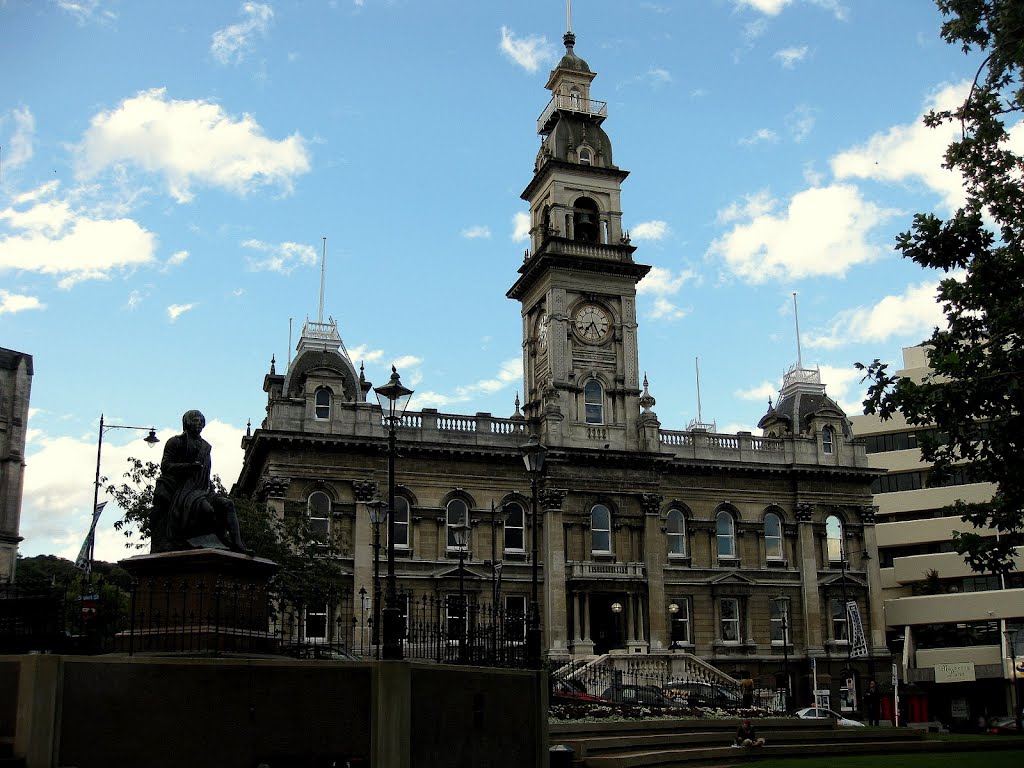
{"x":238,"y":713}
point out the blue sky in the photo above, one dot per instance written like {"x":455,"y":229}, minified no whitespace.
{"x":168,"y":172}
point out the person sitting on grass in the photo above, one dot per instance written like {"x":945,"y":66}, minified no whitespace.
{"x":746,"y":736}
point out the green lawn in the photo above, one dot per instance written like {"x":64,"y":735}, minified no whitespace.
{"x":1000,"y":759}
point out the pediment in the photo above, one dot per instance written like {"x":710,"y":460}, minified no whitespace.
{"x":452,"y":572}
{"x":732,"y":578}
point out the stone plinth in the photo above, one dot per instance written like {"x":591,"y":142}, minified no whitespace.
{"x":199,"y":601}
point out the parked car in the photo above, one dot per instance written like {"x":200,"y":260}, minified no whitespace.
{"x":817,"y":713}
{"x":700,"y":694}
{"x":645,"y":695}
{"x":572,"y":691}
{"x":1003,"y":726}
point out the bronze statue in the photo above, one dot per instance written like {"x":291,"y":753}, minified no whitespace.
{"x":187,"y":512}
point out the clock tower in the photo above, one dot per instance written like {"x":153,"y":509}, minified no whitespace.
{"x":577,"y":284}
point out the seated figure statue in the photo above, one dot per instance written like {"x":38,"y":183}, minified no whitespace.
{"x":187,"y":512}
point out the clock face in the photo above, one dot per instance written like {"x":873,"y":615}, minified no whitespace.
{"x":542,"y":331}
{"x":592,"y":323}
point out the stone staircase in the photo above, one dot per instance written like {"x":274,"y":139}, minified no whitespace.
{"x":689,"y":742}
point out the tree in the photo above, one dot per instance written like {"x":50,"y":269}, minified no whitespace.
{"x":974,"y":394}
{"x":309,"y":570}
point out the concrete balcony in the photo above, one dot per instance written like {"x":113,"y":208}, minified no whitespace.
{"x":590,"y":570}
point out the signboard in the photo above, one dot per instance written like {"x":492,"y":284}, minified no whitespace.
{"x":961,"y":672}
{"x":822,"y":700}
{"x":958,"y":708}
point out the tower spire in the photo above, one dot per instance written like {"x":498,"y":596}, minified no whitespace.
{"x":568,"y":16}
{"x":796,"y":317}
{"x":323,"y":270}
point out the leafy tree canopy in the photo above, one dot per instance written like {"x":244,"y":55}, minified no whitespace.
{"x":308,"y":564}
{"x":974,"y":394}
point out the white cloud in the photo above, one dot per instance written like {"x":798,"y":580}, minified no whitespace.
{"x":910,"y":315}
{"x":759,"y":136}
{"x":822,"y":232}
{"x":17,"y":150}
{"x":174,"y":311}
{"x":361,"y":354}
{"x":528,"y":52}
{"x":52,"y":237}
{"x":658,"y":75}
{"x":775,"y":7}
{"x":84,"y":10}
{"x":911,"y":152}
{"x":762,"y":391}
{"x":510,"y":372}
{"x":406,"y":361}
{"x":649,"y":230}
{"x":520,"y":227}
{"x":234,"y":42}
{"x":843,"y":385}
{"x":280,"y":257}
{"x":790,"y":57}
{"x":56,"y":503}
{"x":179,"y":257}
{"x":12,"y":303}
{"x":800,"y":122}
{"x":476,"y":233}
{"x":135,"y":299}
{"x":661,"y":282}
{"x":664,"y":309}
{"x":189,"y":142}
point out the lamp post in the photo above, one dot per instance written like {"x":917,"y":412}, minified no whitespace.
{"x":461,"y":533}
{"x":783,"y":602}
{"x":495,"y":575}
{"x":377,"y":515}
{"x":673,"y":609}
{"x":533,"y":456}
{"x":393,"y":399}
{"x":151,"y":439}
{"x":617,"y":610}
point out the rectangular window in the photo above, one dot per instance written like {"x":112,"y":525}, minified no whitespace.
{"x":840,"y":629}
{"x":515,"y":618}
{"x":780,"y":622}
{"x":680,"y":629}
{"x":730,"y":619}
{"x":316,"y":622}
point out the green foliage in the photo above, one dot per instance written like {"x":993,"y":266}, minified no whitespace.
{"x":974,"y":393}
{"x":308,"y":573}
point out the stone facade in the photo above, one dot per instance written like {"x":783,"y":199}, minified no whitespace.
{"x":15,"y":389}
{"x":650,"y":541}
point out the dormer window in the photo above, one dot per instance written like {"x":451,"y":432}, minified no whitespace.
{"x":586,"y":158}
{"x":322,"y":404}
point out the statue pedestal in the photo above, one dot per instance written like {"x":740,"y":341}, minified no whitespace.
{"x":201,"y":601}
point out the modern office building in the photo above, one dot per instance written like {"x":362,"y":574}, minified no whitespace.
{"x":955,"y":633}
{"x":742,"y":550}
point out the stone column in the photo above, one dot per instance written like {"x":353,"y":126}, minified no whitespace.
{"x":552,"y":552}
{"x":362,"y":555}
{"x":808,"y":560}
{"x":656,"y":555}
{"x":876,"y":606}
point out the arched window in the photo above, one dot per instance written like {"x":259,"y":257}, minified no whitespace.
{"x":585,"y":157}
{"x":773,"y":537}
{"x":457,"y":514}
{"x":593,"y":402}
{"x":725,"y":529}
{"x":675,"y":530}
{"x":600,"y":529}
{"x":834,"y":539}
{"x":514,"y":527}
{"x":585,"y":220}
{"x":575,"y":99}
{"x":322,"y":401}
{"x":828,"y":439}
{"x":401,"y":522}
{"x":318,"y":506}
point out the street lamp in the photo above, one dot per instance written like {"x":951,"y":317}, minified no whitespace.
{"x":617,"y":610}
{"x":393,"y":399}
{"x":533,"y":456}
{"x":461,"y":534}
{"x":377,"y":515}
{"x":783,"y":601}
{"x":151,"y":439}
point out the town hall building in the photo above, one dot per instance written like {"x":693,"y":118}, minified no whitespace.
{"x":740,"y":549}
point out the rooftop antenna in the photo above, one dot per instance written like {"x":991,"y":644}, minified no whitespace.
{"x":568,"y":15}
{"x":323,"y":265}
{"x":796,"y":318}
{"x":696,"y":365}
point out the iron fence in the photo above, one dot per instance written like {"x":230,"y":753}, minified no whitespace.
{"x":189,"y":617}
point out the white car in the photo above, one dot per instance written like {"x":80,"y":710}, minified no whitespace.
{"x":816,"y":713}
